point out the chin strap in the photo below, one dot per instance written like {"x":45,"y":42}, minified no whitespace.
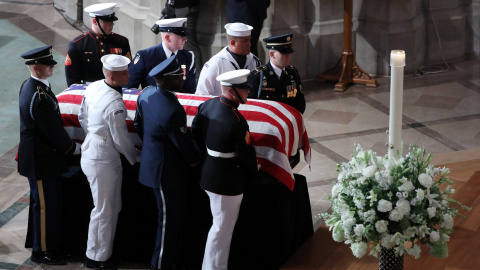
{"x":100,"y":26}
{"x":238,"y":95}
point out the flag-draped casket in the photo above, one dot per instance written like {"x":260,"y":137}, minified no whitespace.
{"x":277,"y":130}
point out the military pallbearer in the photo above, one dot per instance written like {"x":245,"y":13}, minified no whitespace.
{"x":82,"y":63}
{"x":278,"y":80}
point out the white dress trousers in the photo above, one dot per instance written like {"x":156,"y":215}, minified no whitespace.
{"x":225,"y":213}
{"x":102,"y":116}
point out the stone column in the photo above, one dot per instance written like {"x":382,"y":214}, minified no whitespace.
{"x":283,"y":17}
{"x":445,"y":31}
{"x":472,"y":13}
{"x":323,"y":21}
{"x":385,"y":25}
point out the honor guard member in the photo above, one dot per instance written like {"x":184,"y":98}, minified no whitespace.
{"x":174,"y":36}
{"x":44,"y":146}
{"x":168,"y":153}
{"x":278,"y":80}
{"x":82,"y":64}
{"x":235,"y":56}
{"x":102,"y":116}
{"x":230,"y":161}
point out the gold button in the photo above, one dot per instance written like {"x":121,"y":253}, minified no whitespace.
{"x":282,"y":96}
{"x":268,"y":97}
{"x":101,"y":43}
{"x":103,"y":50}
{"x":88,"y":60}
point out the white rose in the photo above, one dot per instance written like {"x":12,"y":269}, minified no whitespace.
{"x":384,"y":206}
{"x":447,"y":221}
{"x":369,"y":171}
{"x":407,"y":186}
{"x":359,"y":249}
{"x":336,"y":190}
{"x":425,"y":180}
{"x":404,"y":206}
{"x":431,"y":211}
{"x":396,"y":214}
{"x":381,"y":226}
{"x":420,"y":194}
{"x":386,"y":241}
{"x":359,"y":229}
{"x":434,"y":236}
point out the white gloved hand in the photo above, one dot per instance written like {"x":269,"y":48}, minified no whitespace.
{"x":78,"y":149}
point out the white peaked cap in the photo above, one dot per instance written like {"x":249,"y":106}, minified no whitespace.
{"x":233,"y":77}
{"x":102,"y":9}
{"x":238,"y":29}
{"x":115,"y":62}
{"x":173,"y":22}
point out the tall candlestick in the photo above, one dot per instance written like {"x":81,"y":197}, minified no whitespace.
{"x":397,"y":63}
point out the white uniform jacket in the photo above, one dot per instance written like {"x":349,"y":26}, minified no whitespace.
{"x":102,"y":116}
{"x":218,"y":64}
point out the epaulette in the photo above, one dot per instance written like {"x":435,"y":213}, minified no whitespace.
{"x":79,"y":37}
{"x":259,"y":68}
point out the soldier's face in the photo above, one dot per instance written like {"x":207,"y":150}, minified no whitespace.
{"x":243,"y":93}
{"x":121,"y":77}
{"x":177,"y":41}
{"x":44,"y":71}
{"x":280,"y":60}
{"x":242,"y":45}
{"x":107,"y":26}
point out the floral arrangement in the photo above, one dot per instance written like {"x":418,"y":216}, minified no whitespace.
{"x":397,"y":204}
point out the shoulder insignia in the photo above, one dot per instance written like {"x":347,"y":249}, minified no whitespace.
{"x":68,"y":60}
{"x":247,"y":137}
{"x":183,"y":129}
{"x":137,"y":58}
{"x":259,"y":68}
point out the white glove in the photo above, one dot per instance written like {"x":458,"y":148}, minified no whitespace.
{"x":78,"y":149}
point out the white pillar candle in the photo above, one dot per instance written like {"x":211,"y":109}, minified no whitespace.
{"x":397,"y":63}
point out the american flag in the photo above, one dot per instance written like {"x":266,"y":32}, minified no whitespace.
{"x":277,"y":130}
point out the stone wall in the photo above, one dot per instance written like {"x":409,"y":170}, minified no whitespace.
{"x":428,"y":30}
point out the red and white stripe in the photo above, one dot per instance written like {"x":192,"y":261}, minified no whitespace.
{"x":277,"y":130}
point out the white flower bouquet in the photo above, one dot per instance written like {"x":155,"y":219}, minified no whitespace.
{"x":392,"y":204}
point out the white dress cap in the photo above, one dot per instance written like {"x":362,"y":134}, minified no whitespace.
{"x":238,"y":29}
{"x":115,"y":62}
{"x":233,"y":77}
{"x":102,"y":9}
{"x":174,"y":22}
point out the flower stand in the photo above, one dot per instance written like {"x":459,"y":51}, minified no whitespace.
{"x":388,"y":260}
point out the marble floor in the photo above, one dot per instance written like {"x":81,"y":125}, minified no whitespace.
{"x":440,"y":112}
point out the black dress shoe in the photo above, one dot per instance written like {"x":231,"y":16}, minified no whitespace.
{"x":47,"y":258}
{"x":101,"y":265}
{"x":153,"y":268}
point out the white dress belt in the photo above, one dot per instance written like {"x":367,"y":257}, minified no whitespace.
{"x":220,"y":154}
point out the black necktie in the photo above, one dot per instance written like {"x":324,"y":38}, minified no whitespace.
{"x":172,"y":54}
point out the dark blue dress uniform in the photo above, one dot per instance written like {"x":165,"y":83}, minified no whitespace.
{"x":287,"y":88}
{"x":220,"y":127}
{"x":167,"y":155}
{"x":82,"y":63}
{"x":44,"y":145}
{"x":145,"y":60}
